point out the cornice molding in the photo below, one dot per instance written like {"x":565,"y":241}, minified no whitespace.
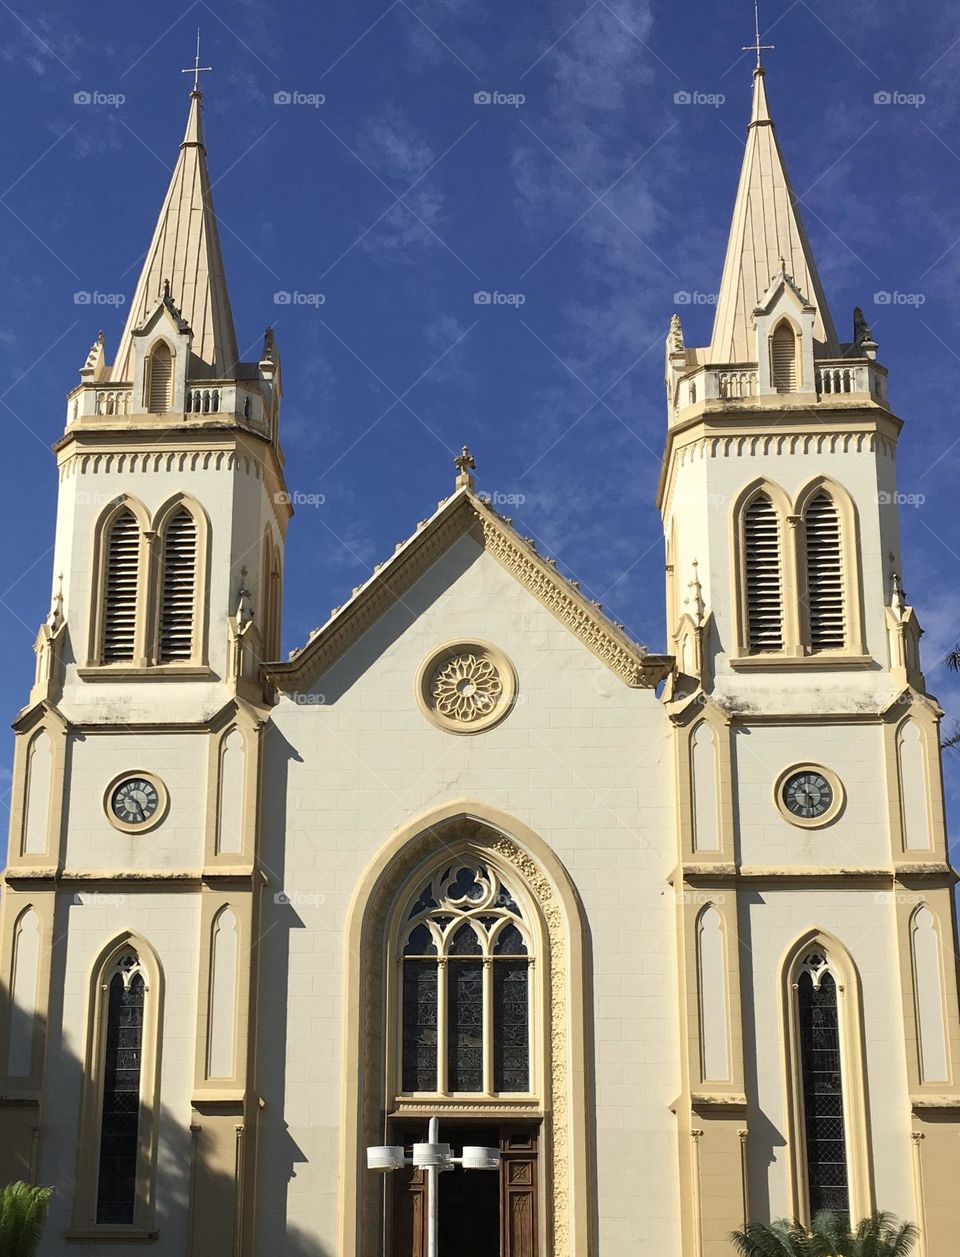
{"x":714,"y":435}
{"x":210,"y":448}
{"x":462,"y":514}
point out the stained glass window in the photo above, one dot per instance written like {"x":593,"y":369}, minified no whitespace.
{"x":120,"y":1119}
{"x":822,"y":1087}
{"x":466,"y":950}
{"x":511,"y":1026}
{"x":419,"y":1025}
{"x":465,"y":1027}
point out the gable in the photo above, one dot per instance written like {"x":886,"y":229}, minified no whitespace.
{"x":465,"y":514}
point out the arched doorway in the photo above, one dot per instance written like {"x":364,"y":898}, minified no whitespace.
{"x":538,"y":1122}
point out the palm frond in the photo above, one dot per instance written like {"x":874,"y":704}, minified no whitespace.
{"x":952,"y":658}
{"x":782,"y":1239}
{"x":23,"y":1215}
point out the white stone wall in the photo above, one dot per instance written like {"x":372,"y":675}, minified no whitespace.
{"x":178,"y":759}
{"x":584,"y":761}
{"x":859,"y":837}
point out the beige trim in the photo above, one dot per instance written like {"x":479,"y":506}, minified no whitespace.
{"x":91,"y":1104}
{"x":853,"y":1075}
{"x":53,"y":724}
{"x":248,"y":724}
{"x":13,"y":903}
{"x":939,"y":902}
{"x":233,"y":1087}
{"x":927,"y":723}
{"x":528,"y":859}
{"x":686,"y":722}
{"x":812,"y":822}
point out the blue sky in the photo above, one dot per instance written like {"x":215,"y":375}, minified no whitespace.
{"x":595,"y":200}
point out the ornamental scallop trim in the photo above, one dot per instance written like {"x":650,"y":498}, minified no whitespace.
{"x":466,"y":686}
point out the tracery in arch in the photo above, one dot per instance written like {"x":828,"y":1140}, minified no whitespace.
{"x":466,"y":990}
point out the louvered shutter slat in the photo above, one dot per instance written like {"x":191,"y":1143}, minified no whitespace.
{"x":825,"y":575}
{"x":179,"y":589}
{"x":784,"y":359}
{"x":762,"y":564}
{"x":120,"y":605}
{"x":161,"y":375}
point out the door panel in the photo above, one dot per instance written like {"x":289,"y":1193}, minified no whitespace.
{"x":482,"y":1214}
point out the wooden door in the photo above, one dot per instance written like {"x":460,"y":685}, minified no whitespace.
{"x":482,"y":1214}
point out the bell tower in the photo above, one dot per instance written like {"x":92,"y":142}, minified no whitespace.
{"x":136,"y":763}
{"x":811,"y":826}
{"x":176,"y":432}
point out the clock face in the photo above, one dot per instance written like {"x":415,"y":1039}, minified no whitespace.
{"x":135,"y":801}
{"x":807,"y":794}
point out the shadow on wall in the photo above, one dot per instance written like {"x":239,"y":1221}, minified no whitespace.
{"x":766,"y":1141}
{"x":38,"y":1144}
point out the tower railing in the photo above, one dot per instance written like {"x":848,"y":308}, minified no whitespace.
{"x":834,"y":377}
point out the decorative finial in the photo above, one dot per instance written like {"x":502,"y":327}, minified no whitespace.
{"x":899,"y":600}
{"x":756,"y":46}
{"x":55,"y":618}
{"x":676,"y":334}
{"x":197,"y":69}
{"x":697,"y":588}
{"x":244,"y":613}
{"x":465,"y":464}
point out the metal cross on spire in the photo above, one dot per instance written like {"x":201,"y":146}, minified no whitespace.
{"x":197,"y":69}
{"x":756,"y":46}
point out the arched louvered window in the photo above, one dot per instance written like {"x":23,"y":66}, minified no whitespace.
{"x":824,"y":574}
{"x":466,"y":989}
{"x":120,"y":1116}
{"x":783,"y":359}
{"x":818,"y":1021}
{"x":160,"y":380}
{"x":178,"y":596}
{"x":121,"y":584}
{"x":761,"y":566}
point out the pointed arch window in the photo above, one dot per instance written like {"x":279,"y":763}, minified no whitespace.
{"x":762,"y":570}
{"x":121,"y":589}
{"x":160,"y":380}
{"x":466,"y":988}
{"x":120,"y":1116}
{"x":825,"y":575}
{"x":783,"y":358}
{"x":822,"y":1082}
{"x":179,"y":589}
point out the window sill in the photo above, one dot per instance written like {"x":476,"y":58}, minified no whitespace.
{"x":115,"y":1235}
{"x":158,"y":672}
{"x":829,"y":659}
{"x":464,"y":1106}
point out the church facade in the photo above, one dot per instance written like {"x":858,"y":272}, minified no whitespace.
{"x":674,"y":932}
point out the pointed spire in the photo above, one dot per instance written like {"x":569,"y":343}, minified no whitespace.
{"x":766,"y":237}
{"x":184,"y":265}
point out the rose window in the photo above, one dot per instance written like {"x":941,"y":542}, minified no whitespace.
{"x":466,"y":686}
